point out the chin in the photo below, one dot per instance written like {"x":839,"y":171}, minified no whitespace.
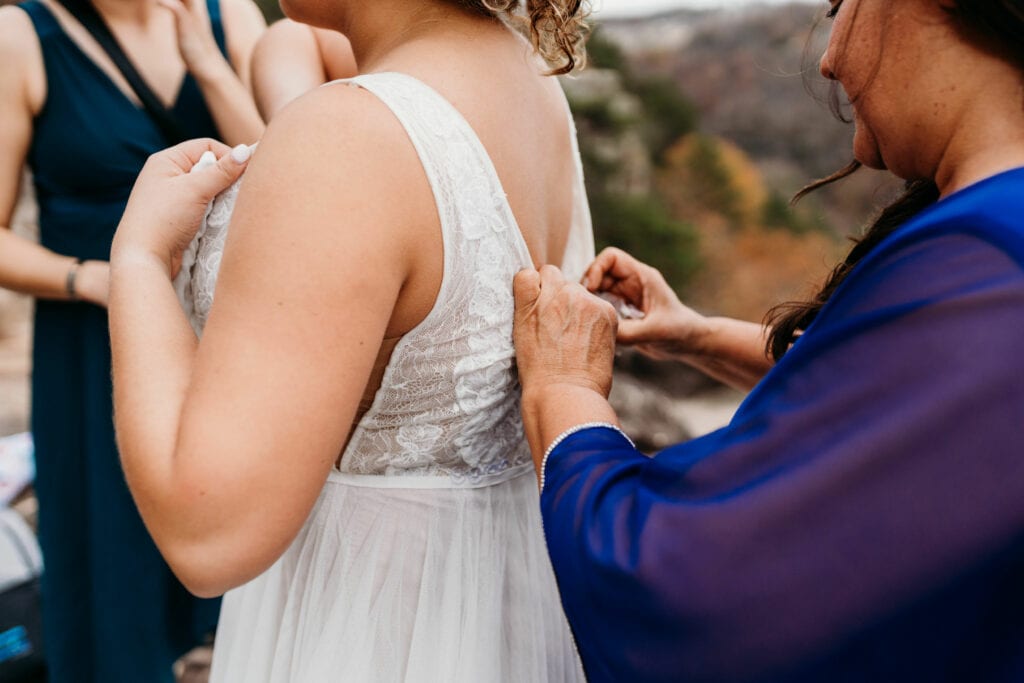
{"x":866,"y":151}
{"x":290,"y":10}
{"x":872,"y":161}
{"x":301,"y":11}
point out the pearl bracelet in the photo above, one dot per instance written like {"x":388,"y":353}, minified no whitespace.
{"x":569,"y":432}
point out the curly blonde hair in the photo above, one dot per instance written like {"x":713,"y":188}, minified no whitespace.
{"x":557,"y":28}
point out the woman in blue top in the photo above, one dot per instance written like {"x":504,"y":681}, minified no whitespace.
{"x":113,"y":611}
{"x":862,"y":516}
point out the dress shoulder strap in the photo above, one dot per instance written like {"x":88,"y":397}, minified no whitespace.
{"x":217,"y":25}
{"x":446,"y":143}
{"x":46,"y":24}
{"x":453,"y":154}
{"x":471,"y":203}
{"x":457,"y":165}
{"x":42,"y":18}
{"x":424,"y":114}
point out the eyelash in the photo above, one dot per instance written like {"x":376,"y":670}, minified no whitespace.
{"x":833,"y":11}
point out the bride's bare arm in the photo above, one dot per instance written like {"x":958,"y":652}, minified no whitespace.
{"x":227,"y":443}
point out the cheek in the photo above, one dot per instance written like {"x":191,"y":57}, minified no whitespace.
{"x":855,"y":46}
{"x":853,"y":74}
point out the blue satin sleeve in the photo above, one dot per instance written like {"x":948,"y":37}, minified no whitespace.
{"x":860,"y":519}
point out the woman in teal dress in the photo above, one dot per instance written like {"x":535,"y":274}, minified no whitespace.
{"x":112,"y":609}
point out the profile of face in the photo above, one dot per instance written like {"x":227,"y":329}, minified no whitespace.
{"x":894,"y":61}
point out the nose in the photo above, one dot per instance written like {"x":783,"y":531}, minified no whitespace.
{"x":825,"y":66}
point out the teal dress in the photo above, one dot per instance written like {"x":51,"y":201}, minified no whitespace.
{"x":112,"y":610}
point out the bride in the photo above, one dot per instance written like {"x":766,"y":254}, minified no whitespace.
{"x":342,"y":453}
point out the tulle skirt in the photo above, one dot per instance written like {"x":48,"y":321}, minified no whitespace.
{"x":405,"y":579}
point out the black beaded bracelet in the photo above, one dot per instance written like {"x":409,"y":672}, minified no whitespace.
{"x":69,"y":283}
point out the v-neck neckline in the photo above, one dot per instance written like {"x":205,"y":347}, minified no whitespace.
{"x":178,"y":92}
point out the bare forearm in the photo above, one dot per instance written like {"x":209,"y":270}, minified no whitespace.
{"x":731,"y":351}
{"x":549,"y":412}
{"x":29,"y":268}
{"x":195,"y":503}
{"x":32,"y":269}
{"x":153,"y":353}
{"x":232,"y":105}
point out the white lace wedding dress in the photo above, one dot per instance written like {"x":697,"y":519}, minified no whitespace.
{"x":424,"y":558}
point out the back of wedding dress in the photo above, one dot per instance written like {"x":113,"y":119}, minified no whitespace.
{"x":449,"y":404}
{"x":423,"y":559}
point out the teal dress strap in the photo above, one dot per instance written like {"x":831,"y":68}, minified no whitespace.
{"x":42,"y":19}
{"x":217,"y":24}
{"x":45,"y":23}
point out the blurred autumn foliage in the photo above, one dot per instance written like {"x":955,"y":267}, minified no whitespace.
{"x":688,"y":201}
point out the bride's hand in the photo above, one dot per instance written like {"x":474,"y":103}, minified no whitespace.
{"x":168,"y":203}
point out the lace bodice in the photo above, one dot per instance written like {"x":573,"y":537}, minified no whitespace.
{"x":449,"y":401}
{"x":200,"y":263}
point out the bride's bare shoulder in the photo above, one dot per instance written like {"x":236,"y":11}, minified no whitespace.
{"x":337,"y":143}
{"x":339,"y":116}
{"x":335,"y":180}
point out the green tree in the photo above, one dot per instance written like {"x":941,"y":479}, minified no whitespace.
{"x":643,"y":227}
{"x":670,"y":115}
{"x":605,"y":54}
{"x":711,"y":184}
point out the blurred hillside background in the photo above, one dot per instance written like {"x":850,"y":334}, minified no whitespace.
{"x":696,"y":127}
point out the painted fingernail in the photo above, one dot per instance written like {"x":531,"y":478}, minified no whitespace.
{"x":241,"y":154}
{"x":207,"y":159}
